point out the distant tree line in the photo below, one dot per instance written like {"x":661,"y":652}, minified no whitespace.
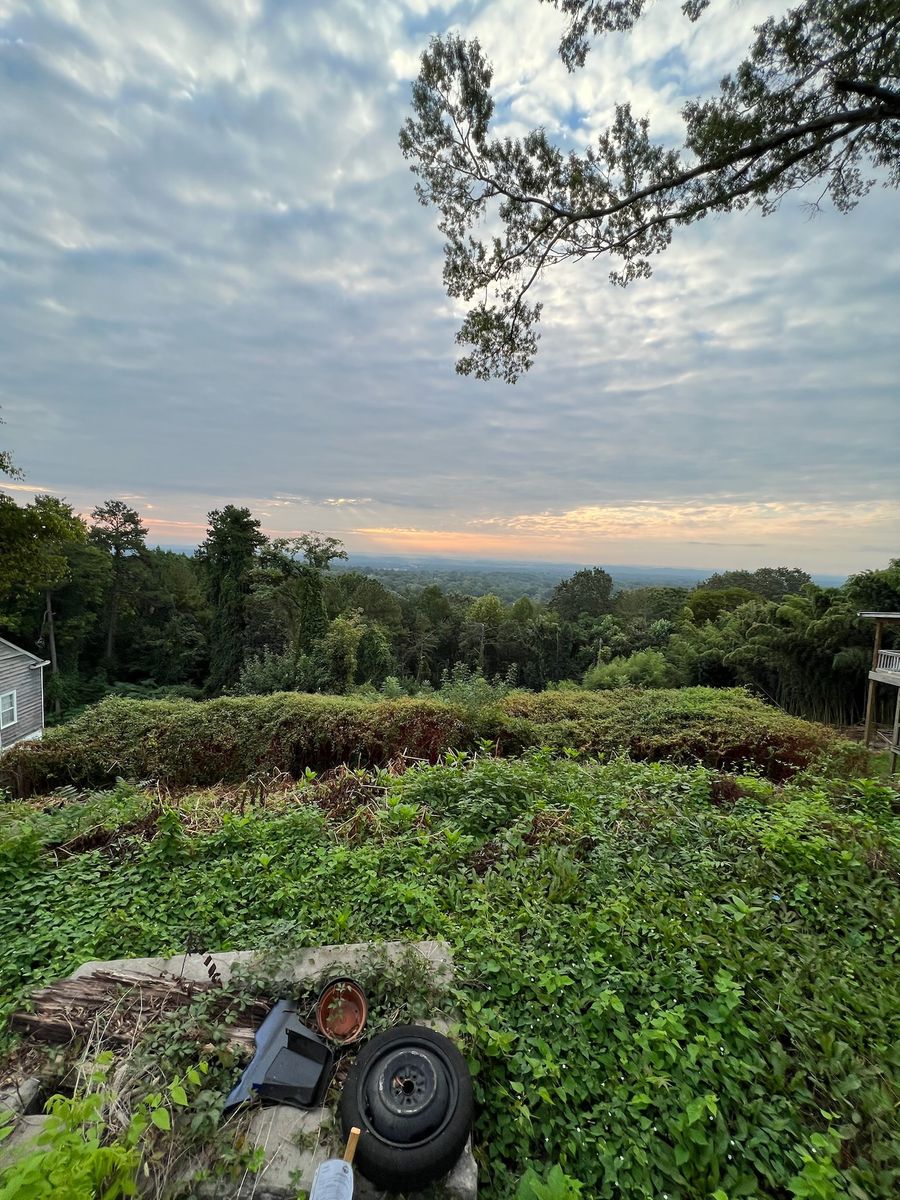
{"x":252,"y":614}
{"x":799,"y":645}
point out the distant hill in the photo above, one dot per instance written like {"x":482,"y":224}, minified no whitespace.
{"x":508,"y":578}
{"x":511,"y":579}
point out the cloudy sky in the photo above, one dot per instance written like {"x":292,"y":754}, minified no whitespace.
{"x":217,"y":285}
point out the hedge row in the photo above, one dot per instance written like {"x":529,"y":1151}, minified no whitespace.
{"x":724,"y":728}
{"x":185,"y":743}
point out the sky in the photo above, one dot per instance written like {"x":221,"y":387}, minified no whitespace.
{"x":217,"y":286}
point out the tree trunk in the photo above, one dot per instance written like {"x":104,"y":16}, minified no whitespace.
{"x":111,"y":625}
{"x":113,"y":609}
{"x":51,"y":639}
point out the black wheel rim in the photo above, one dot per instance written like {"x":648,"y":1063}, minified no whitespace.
{"x":407,"y":1082}
{"x":408,"y":1094}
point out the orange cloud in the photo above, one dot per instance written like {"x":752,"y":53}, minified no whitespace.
{"x":26,"y":487}
{"x":165,"y":525}
{"x":446,"y":541}
{"x":727,"y":520}
{"x":804,"y":530}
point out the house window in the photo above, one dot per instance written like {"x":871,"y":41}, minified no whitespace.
{"x":8,"y":713}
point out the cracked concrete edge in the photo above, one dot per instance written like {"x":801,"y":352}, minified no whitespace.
{"x":302,"y":965}
{"x":23,"y":1137}
{"x":295,"y":1142}
{"x":22,"y":1102}
{"x":22,"y":1098}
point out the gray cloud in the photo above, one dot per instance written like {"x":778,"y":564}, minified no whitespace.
{"x":218,"y":283}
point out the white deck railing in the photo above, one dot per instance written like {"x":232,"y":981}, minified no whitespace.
{"x":889,"y":660}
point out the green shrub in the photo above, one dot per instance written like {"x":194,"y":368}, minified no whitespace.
{"x":72,"y":1160}
{"x":275,"y":671}
{"x":644,"y":668}
{"x":148,"y":689}
{"x":392,"y":688}
{"x":473,"y":690}
{"x":186,"y":743}
{"x":182,"y":742}
{"x":723,"y":728}
{"x":101,"y":1143}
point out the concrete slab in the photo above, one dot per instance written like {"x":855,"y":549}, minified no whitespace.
{"x":25,"y":1133}
{"x":299,"y":966}
{"x":296,"y":1140}
{"x":21,"y":1098}
{"x":21,"y":1101}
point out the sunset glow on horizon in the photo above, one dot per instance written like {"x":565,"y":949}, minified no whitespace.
{"x":715,"y":532}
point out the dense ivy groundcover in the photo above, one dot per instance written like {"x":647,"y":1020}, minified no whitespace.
{"x":673,"y":984}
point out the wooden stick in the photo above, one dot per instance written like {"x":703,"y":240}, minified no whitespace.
{"x":350,"y":1152}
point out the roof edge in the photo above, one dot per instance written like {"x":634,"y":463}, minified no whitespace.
{"x":27,"y":653}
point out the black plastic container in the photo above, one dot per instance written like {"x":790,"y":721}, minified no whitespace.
{"x":292,"y":1065}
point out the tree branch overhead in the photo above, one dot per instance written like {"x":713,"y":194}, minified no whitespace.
{"x":784,"y":118}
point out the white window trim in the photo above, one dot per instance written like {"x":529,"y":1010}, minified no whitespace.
{"x":15,"y":710}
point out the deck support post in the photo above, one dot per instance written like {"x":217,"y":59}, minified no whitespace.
{"x":870,"y":696}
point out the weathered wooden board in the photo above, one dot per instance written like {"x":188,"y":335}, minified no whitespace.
{"x":126,"y":1001}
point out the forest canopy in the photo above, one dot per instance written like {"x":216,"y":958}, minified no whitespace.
{"x":248,"y":614}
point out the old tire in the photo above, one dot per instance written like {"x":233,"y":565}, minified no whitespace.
{"x":410,"y":1093}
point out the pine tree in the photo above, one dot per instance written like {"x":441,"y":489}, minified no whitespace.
{"x":118,"y":530}
{"x":229,"y":554}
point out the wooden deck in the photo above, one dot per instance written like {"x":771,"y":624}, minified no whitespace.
{"x":886,"y":668}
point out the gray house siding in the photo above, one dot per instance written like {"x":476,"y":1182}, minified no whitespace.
{"x":22,"y":673}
